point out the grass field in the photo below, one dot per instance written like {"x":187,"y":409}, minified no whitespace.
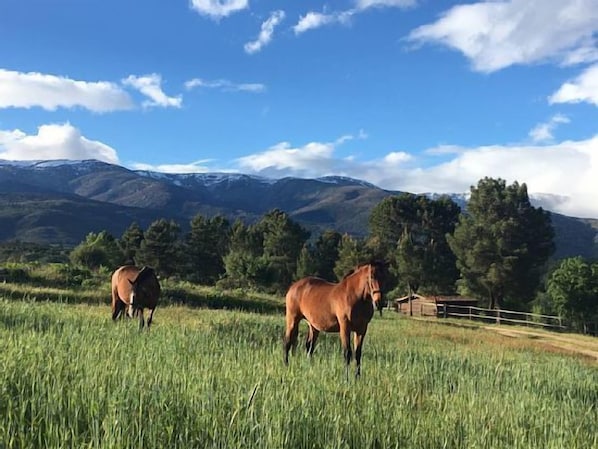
{"x":70,"y":377}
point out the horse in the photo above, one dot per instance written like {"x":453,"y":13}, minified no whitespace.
{"x":135,"y":290}
{"x":344,"y":307}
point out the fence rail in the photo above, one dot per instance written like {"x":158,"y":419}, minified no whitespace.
{"x":499,"y":316}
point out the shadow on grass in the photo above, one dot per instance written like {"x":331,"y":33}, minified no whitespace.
{"x":170,"y":296}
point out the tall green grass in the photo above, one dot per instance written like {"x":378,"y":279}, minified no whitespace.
{"x":69,"y":377}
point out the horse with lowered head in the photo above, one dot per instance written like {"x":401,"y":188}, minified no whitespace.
{"x":135,"y":289}
{"x":344,"y":307}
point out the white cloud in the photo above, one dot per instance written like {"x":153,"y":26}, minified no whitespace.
{"x":365,"y":4}
{"x":216,"y":9}
{"x":56,"y":141}
{"x":497,"y":34}
{"x":543,"y":132}
{"x":583,"y":88}
{"x":193,"y":167}
{"x":150,"y":86}
{"x":32,"y":89}
{"x":313,"y":20}
{"x":564,"y":174}
{"x":267,"y":30}
{"x":225,"y":85}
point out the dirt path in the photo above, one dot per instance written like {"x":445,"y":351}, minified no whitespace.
{"x":580,"y":344}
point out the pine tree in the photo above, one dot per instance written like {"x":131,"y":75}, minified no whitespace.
{"x":161,"y":248}
{"x":206,"y":245}
{"x":502,"y":243}
{"x":130,"y":242}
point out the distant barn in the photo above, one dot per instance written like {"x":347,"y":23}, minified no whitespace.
{"x":430,"y":305}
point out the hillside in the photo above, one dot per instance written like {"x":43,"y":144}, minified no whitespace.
{"x":61,"y":201}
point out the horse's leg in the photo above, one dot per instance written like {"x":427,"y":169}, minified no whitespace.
{"x":141,"y":320}
{"x":117,"y":307}
{"x":358,"y":342}
{"x":290,"y":336}
{"x":345,"y":334}
{"x":312,"y":336}
{"x":150,"y":318}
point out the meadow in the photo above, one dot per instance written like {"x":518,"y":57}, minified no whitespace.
{"x":204,"y":378}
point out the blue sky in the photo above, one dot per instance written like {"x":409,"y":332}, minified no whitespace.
{"x":412,"y":95}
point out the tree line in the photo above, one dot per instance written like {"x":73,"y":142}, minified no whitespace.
{"x":497,"y":251}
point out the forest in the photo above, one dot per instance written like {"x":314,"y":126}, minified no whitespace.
{"x":499,"y":251}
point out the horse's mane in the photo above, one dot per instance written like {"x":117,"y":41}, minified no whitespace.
{"x":378,"y":264}
{"x":144,"y":273}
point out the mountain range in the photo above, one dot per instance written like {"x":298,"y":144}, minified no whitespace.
{"x":61,"y":201}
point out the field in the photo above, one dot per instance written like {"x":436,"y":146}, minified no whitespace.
{"x":70,"y":377}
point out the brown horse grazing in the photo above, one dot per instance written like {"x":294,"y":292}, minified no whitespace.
{"x":135,"y":290}
{"x":328,"y":307}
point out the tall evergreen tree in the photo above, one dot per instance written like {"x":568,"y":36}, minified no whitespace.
{"x":206,"y":245}
{"x":130,"y":242}
{"x":502,"y":243}
{"x":161,"y":248}
{"x":283,"y":240}
{"x":350,"y":254}
{"x":243,"y":263}
{"x":409,"y":231}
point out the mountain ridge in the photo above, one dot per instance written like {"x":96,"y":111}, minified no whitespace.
{"x":60,"y":201}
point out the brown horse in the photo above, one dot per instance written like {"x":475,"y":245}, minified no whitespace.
{"x":328,"y":307}
{"x":135,"y":290}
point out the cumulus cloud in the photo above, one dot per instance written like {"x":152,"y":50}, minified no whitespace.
{"x":494,"y":35}
{"x":55,"y":141}
{"x":267,"y":30}
{"x":150,"y":86}
{"x":583,"y":88}
{"x":313,"y":20}
{"x":217,"y":9}
{"x":225,"y":85}
{"x":564,"y":175}
{"x":50,"y":92}
{"x":193,"y":167}
{"x":543,"y":132}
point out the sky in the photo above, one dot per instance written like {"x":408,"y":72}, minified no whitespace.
{"x":410,"y":95}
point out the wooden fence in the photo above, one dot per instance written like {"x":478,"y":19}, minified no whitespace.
{"x":499,"y":316}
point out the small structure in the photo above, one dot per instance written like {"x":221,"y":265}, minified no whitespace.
{"x":419,"y":305}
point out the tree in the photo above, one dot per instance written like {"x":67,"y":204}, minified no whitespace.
{"x":97,"y":250}
{"x":573,"y":290}
{"x":410,"y":231}
{"x":130,"y":242}
{"x":350,"y":254}
{"x":318,"y":259}
{"x":206,"y":245}
{"x":161,"y":248}
{"x":283,"y":240}
{"x":244,"y":264}
{"x":502,"y":243}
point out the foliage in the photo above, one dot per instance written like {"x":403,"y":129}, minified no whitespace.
{"x":161,"y":248}
{"x":502,"y":243}
{"x":573,"y":290}
{"x":18,"y":251}
{"x":130,"y":242}
{"x":205,"y":247}
{"x":97,"y":250}
{"x":350,"y":254}
{"x":410,"y":232}
{"x":319,"y":259}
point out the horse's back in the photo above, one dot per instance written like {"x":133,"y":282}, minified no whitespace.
{"x":121,"y":287}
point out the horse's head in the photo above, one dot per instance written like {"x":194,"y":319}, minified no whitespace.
{"x":133,"y":296}
{"x":374,"y":276}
